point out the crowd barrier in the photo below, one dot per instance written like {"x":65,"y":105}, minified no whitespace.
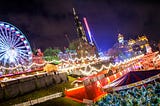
{"x":15,"y":87}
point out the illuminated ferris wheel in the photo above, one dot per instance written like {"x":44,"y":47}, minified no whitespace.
{"x":14,"y":47}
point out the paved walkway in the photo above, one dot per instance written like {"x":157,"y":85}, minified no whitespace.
{"x":40,"y":100}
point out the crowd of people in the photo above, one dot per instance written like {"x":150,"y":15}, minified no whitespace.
{"x":145,"y":95}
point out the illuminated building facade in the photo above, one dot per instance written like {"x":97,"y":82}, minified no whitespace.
{"x":129,"y":48}
{"x":140,"y":45}
{"x":120,"y":38}
{"x":82,"y":45}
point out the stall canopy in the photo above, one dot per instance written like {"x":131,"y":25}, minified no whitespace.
{"x":132,"y":77}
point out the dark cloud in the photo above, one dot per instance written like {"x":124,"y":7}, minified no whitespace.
{"x":45,"y":22}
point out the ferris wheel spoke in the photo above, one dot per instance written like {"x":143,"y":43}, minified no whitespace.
{"x":1,"y":38}
{"x":2,"y":54}
{"x":16,"y":41}
{"x":2,"y":33}
{"x":23,"y":53}
{"x":21,"y":47}
{"x":4,"y":40}
{"x":1,"y":57}
{"x":2,"y":50}
{"x":3,"y":45}
{"x":11,"y":36}
{"x":6,"y":34}
{"x":5,"y":61}
{"x":16,"y":60}
{"x":23,"y":58}
{"x":19,"y":44}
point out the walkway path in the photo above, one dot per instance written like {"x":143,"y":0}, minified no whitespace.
{"x":40,"y":100}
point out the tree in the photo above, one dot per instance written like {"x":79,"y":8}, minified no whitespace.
{"x":34,"y":51}
{"x":56,"y":52}
{"x":51,"y":54}
{"x":48,"y":52}
{"x":73,"y":45}
{"x":159,"y":45}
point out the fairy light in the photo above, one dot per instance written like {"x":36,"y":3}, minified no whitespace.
{"x":91,"y":60}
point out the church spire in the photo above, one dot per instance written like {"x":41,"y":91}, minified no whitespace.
{"x":80,"y":29}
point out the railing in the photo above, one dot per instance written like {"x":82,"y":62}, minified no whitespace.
{"x":40,"y":100}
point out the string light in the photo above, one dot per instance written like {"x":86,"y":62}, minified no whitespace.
{"x":72,"y":65}
{"x":46,"y":62}
{"x":93,"y":69}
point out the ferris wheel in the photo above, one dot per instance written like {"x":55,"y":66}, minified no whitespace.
{"x":14,"y":47}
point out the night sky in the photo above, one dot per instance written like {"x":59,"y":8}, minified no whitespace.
{"x":45,"y":22}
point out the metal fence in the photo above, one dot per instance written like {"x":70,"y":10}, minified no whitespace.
{"x":40,"y":100}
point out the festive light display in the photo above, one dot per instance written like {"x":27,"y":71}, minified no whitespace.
{"x":71,"y":65}
{"x":14,"y":47}
{"x":47,"y":62}
{"x":94,"y":70}
{"x":103,"y":82}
